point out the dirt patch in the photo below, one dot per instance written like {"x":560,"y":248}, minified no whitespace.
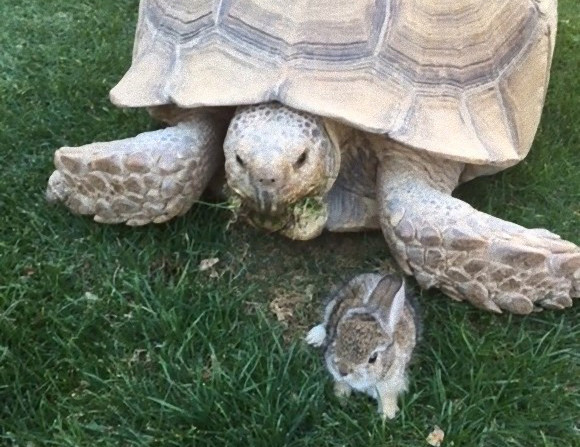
{"x":295,"y":277}
{"x":292,"y":307}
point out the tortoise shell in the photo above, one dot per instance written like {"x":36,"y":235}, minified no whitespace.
{"x":465,"y":79}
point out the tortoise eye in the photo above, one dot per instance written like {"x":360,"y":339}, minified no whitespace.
{"x":302,"y":159}
{"x":240,"y":161}
{"x":373,"y":357}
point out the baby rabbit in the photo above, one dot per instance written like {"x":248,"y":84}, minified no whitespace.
{"x":369,"y":331}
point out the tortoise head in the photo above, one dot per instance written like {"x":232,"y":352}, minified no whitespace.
{"x":277,"y":156}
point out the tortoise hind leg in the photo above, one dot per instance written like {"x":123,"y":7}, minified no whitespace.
{"x":468,"y":254}
{"x":151,"y":177}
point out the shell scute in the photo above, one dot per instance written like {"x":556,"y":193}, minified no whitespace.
{"x":464,"y":79}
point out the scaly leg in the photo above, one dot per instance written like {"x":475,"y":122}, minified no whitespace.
{"x":148,"y":178}
{"x":468,"y":254}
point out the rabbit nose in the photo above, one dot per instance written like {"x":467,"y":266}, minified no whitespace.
{"x":343,"y":370}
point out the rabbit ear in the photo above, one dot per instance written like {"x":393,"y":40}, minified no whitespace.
{"x":389,"y":298}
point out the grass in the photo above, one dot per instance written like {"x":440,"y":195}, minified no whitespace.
{"x":113,"y":336}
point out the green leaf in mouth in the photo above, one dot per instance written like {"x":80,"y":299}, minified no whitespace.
{"x":306,"y":213}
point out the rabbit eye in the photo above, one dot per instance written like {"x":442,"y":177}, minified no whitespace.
{"x":373,"y":357}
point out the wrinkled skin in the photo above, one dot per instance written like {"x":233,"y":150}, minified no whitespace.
{"x":441,"y":240}
{"x":300,"y":174}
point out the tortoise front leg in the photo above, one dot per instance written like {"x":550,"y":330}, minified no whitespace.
{"x":148,"y":178}
{"x":468,"y":254}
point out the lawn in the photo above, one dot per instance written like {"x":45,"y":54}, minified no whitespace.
{"x":115,"y":336}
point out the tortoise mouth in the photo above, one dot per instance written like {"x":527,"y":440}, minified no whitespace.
{"x":263,"y":202}
{"x":275,"y":216}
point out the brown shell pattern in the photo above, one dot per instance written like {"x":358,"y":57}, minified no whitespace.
{"x":465,"y":79}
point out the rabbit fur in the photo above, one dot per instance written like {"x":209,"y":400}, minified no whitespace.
{"x":369,"y":331}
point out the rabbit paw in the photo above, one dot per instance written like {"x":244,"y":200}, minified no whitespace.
{"x":388,"y":409}
{"x":316,"y":336}
{"x":342,"y":390}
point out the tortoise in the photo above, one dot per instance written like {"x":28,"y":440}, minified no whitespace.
{"x":341,"y":116}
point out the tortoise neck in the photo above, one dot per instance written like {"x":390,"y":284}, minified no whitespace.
{"x":406,"y":164}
